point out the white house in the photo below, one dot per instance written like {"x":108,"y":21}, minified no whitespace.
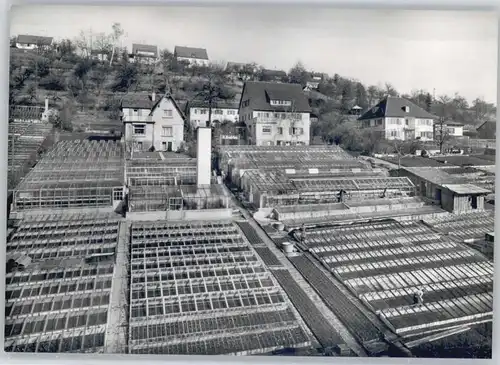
{"x":452,"y":129}
{"x":398,"y":118}
{"x":152,"y":121}
{"x":31,"y":42}
{"x":275,"y":114}
{"x":192,"y":56}
{"x":143,"y":53}
{"x":197,"y":113}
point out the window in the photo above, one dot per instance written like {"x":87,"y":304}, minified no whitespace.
{"x":164,"y":146}
{"x":394,"y":133}
{"x":167,"y":113}
{"x":266,"y":130}
{"x":139,"y":146}
{"x":280,"y":130}
{"x":281,"y":102}
{"x":407,"y":122}
{"x":218,"y":112}
{"x":231,"y":112}
{"x":297,"y":131}
{"x":203,"y":111}
{"x":166,"y":132}
{"x":245,"y":103}
{"x":379,"y":122}
{"x":139,"y":129}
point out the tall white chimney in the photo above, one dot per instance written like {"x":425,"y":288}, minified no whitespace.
{"x":153,"y":96}
{"x":46,"y":105}
{"x":204,"y":156}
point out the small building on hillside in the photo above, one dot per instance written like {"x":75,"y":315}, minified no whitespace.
{"x":452,"y":193}
{"x":242,"y":71}
{"x":487,"y":130}
{"x":151,"y":121}
{"x":313,"y":82}
{"x":143,"y":53}
{"x":398,"y":118}
{"x":191,"y":55}
{"x":275,"y":114}
{"x":198,"y":112}
{"x":449,"y":128}
{"x":31,"y":42}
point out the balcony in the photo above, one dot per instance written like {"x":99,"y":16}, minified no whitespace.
{"x":130,"y":118}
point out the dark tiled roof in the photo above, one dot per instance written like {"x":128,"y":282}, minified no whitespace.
{"x":34,"y":39}
{"x":235,"y":65}
{"x":488,"y":123}
{"x":274,"y":73}
{"x":191,"y":52}
{"x":144,"y":48}
{"x":137,"y":101}
{"x":258,"y":93}
{"x":394,"y":107}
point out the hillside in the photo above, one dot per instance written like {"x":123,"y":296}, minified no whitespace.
{"x":87,"y":92}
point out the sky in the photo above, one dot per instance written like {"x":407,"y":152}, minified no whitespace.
{"x":443,"y":52}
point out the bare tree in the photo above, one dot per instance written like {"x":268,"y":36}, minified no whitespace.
{"x":115,"y":37}
{"x":213,"y":90}
{"x":84,"y":43}
{"x":441,"y":133}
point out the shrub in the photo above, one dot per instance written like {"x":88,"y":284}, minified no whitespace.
{"x":52,"y":82}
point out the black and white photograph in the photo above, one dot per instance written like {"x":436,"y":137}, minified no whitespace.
{"x":251,"y":180}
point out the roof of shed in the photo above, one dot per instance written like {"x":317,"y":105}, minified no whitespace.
{"x":466,"y":189}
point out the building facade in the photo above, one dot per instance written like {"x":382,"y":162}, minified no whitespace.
{"x":275,"y":114}
{"x":153,"y":123}
{"x":192,"y":56}
{"x":31,"y":42}
{"x":198,"y":113}
{"x":144,"y":53}
{"x":451,"y":129}
{"x":396,"y":118}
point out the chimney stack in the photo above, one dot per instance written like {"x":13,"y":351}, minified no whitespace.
{"x":153,"y":96}
{"x":46,"y":105}
{"x":204,"y":156}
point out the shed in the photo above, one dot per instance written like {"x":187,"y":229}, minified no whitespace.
{"x":453,"y":193}
{"x":463,"y":198}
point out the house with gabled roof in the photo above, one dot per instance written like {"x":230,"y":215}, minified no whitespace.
{"x":399,"y":118}
{"x":273,"y":75}
{"x":191,"y":55}
{"x":143,"y":53}
{"x":31,"y":42}
{"x":275,"y":114}
{"x":151,"y":121}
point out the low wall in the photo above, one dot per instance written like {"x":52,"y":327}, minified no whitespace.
{"x":178,"y":215}
{"x":207,"y":214}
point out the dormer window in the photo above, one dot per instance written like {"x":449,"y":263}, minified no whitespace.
{"x":281,"y":102}
{"x":406,"y":109}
